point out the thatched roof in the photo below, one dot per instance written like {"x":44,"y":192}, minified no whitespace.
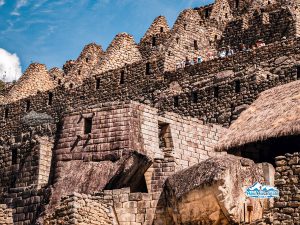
{"x":275,"y":113}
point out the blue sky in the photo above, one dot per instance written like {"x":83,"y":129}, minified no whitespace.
{"x":53,"y":31}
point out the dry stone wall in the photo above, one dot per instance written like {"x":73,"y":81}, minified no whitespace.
{"x":81,"y":209}
{"x":215,"y":91}
{"x":82,"y":67}
{"x":268,"y":26}
{"x":287,"y":207}
{"x":5,"y":215}
{"x":122,"y":50}
{"x":35,"y":79}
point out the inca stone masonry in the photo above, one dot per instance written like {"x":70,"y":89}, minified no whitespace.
{"x":168,"y":131}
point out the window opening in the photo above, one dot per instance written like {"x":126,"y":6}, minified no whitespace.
{"x":122,"y":78}
{"x":50,"y":98}
{"x":153,"y":41}
{"x":237,"y":3}
{"x":196,"y":44}
{"x":148,"y":68}
{"x":216,"y":92}
{"x":176,"y":101}
{"x":14,"y":157}
{"x":206,"y":13}
{"x":164,"y":135}
{"x":88,"y":123}
{"x":97,"y":83}
{"x":194,"y":97}
{"x":27,"y":105}
{"x":237,"y":86}
{"x":6,"y":113}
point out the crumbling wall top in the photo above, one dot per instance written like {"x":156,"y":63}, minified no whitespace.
{"x":159,"y":25}
{"x":122,"y":50}
{"x":35,"y":79}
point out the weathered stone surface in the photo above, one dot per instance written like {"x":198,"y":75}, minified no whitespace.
{"x":211,"y":192}
{"x":88,"y":177}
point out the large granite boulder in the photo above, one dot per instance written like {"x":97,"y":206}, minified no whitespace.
{"x":82,"y":177}
{"x":211,"y":192}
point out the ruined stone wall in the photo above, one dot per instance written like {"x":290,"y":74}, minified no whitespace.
{"x":26,"y":159}
{"x":155,"y":39}
{"x":209,"y":91}
{"x":122,"y":51}
{"x":35,"y":79}
{"x":26,"y":203}
{"x":287,"y":207}
{"x":269,"y":25}
{"x":5,"y":215}
{"x":82,"y":67}
{"x":189,"y":40}
{"x":82,"y":209}
{"x":118,"y":207}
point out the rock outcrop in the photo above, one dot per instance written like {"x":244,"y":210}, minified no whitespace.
{"x":211,"y":192}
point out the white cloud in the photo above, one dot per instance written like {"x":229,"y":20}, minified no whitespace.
{"x":2,"y":2}
{"x":20,"y":4}
{"x":10,"y":68}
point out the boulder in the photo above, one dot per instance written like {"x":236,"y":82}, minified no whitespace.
{"x":211,"y":192}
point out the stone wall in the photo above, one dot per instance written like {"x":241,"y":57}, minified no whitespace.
{"x":205,"y":91}
{"x":287,"y":207}
{"x":26,"y":159}
{"x":270,"y":25}
{"x":35,"y":79}
{"x":5,"y":215}
{"x":82,"y":67}
{"x":121,"y":51}
{"x":26,"y":203}
{"x":120,"y":126}
{"x":81,"y":209}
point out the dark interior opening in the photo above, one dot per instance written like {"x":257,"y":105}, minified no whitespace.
{"x":153,"y":41}
{"x":88,"y":124}
{"x":6,"y":113}
{"x":266,"y":151}
{"x":298,"y":72}
{"x":122,"y":78}
{"x":97,"y":83}
{"x":131,"y":174}
{"x":237,"y":3}
{"x":194,"y":97}
{"x":50,"y":98}
{"x":177,"y":40}
{"x":27,"y":105}
{"x":148,"y":68}
{"x":164,"y":135}
{"x":14,"y":156}
{"x":141,"y":186}
{"x":176,"y":101}
{"x":206,"y":13}
{"x":237,"y":86}
{"x":216,"y":92}
{"x":161,"y":29}
{"x":185,"y":26}
{"x":196,"y":45}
